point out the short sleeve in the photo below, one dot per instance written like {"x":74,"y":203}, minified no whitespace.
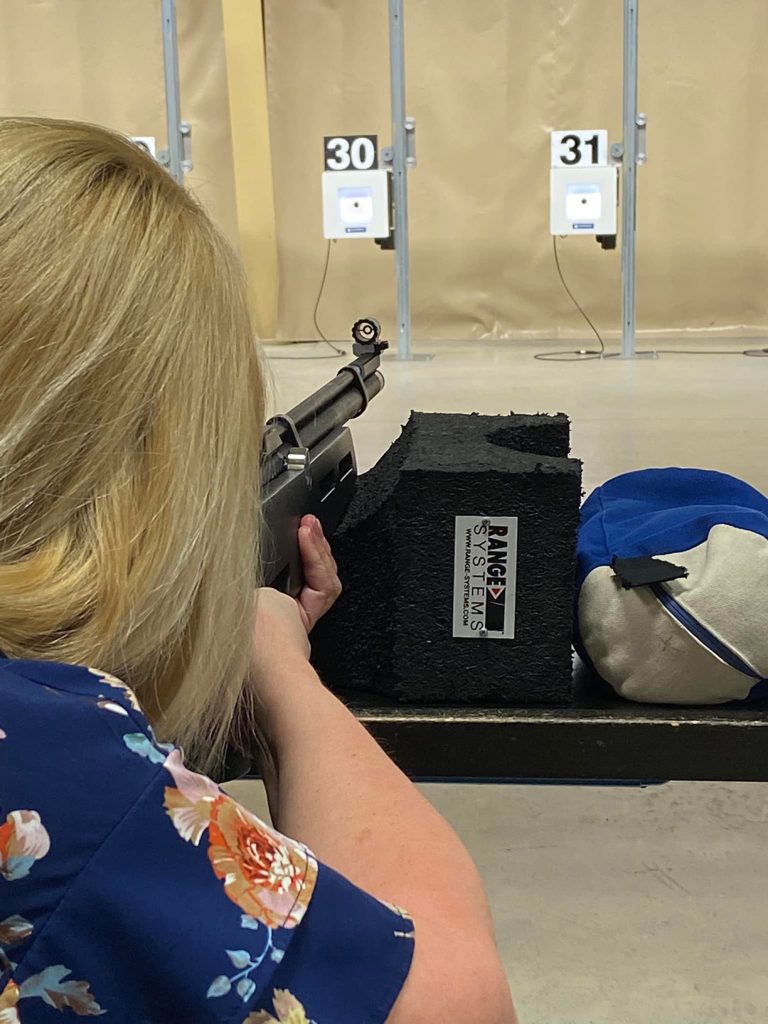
{"x":347,"y":962}
{"x":133,"y":887}
{"x":194,"y":909}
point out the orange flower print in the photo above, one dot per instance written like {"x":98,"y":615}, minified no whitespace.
{"x":268,"y":876}
{"x":23,"y":840}
{"x":9,"y":997}
{"x":287,"y":1007}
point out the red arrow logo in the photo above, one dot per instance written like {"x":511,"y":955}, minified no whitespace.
{"x":496,"y":592}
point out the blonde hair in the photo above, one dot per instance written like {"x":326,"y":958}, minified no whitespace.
{"x":131,"y":402}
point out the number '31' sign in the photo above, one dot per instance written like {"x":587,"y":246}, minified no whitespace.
{"x":351,"y":152}
{"x":580,"y":148}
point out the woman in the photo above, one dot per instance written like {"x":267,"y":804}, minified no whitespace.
{"x":131,"y":401}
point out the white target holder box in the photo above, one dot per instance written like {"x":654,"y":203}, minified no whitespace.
{"x":583,"y":200}
{"x":356,"y":204}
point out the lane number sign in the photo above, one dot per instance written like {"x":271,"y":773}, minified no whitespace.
{"x":580,"y":148}
{"x":351,"y":152}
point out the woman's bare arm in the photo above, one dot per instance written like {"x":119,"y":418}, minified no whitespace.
{"x":337,"y":791}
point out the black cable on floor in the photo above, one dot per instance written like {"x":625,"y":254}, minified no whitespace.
{"x":711,"y":352}
{"x":336,"y":351}
{"x":561,"y":356}
{"x":578,"y":355}
{"x":698,"y":352}
{"x":582,"y":355}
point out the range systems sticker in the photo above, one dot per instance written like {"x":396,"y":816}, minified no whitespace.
{"x":485,"y":577}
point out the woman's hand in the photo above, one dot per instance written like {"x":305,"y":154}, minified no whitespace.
{"x":322,"y":586}
{"x":281,"y":623}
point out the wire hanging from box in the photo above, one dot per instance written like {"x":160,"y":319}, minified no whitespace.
{"x":336,"y":351}
{"x":582,"y":355}
{"x":576,"y":355}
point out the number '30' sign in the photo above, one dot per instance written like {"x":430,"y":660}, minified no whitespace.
{"x":580,"y":148}
{"x":351,"y":152}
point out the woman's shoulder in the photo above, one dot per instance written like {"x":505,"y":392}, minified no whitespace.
{"x":69,"y":740}
{"x":65,"y":726}
{"x":108,"y":834}
{"x":41,"y":684}
{"x":58,"y":679}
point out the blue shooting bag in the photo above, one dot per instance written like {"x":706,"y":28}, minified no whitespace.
{"x":672,"y":587}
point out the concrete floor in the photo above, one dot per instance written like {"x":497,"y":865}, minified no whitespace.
{"x":613,"y":905}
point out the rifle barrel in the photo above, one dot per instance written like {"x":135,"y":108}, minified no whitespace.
{"x":347,"y":404}
{"x":328,"y":393}
{"x":329,"y":408}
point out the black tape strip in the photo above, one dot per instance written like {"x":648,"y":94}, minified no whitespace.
{"x":642,"y":571}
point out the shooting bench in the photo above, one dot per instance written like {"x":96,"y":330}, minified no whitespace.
{"x":596,"y":738}
{"x":578,"y":734}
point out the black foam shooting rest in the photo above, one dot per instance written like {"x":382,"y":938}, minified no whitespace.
{"x":391,"y":630}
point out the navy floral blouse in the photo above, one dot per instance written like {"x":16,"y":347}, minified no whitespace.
{"x":132,"y":888}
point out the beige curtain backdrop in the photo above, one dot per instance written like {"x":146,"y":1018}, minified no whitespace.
{"x":249,"y":118}
{"x":102,"y":61}
{"x":487,"y":81}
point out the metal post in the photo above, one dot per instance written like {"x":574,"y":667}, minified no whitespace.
{"x":175,"y":129}
{"x":629,"y":204}
{"x":399,"y":175}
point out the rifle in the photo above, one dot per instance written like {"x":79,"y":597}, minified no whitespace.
{"x":308,"y":463}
